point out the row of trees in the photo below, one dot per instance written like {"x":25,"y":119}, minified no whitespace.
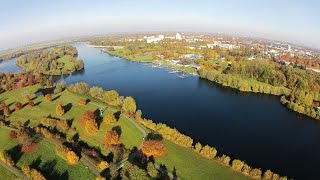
{"x":32,"y":173}
{"x":10,"y":81}
{"x":52,"y":123}
{"x":67,"y":154}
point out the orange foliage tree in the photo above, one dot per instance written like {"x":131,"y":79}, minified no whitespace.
{"x":153,"y":148}
{"x":82,"y":102}
{"x":6,"y":111}
{"x":112,"y":138}
{"x":88,"y":120}
{"x":27,"y":98}
{"x":18,"y":106}
{"x":59,"y":110}
{"x":72,"y":157}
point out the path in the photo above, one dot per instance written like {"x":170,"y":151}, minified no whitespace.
{"x":14,"y":171}
{"x":144,"y":132}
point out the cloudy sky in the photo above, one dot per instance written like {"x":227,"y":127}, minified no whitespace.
{"x":31,"y":21}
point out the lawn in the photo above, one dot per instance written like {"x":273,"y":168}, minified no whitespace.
{"x":67,"y":64}
{"x":189,"y":165}
{"x":130,"y":136}
{"x":5,"y":174}
{"x":135,"y":57}
{"x":45,"y":159}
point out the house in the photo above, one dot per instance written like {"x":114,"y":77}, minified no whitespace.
{"x":287,"y":61}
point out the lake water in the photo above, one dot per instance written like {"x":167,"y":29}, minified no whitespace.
{"x":255,"y":128}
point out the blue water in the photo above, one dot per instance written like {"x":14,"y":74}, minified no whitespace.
{"x":255,"y":128}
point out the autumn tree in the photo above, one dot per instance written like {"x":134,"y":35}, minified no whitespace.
{"x":112,"y":98}
{"x":103,"y":165}
{"x":27,"y":98}
{"x":129,"y":106}
{"x":198,"y":147}
{"x":31,"y":103}
{"x":48,"y":98}
{"x":18,"y":106}
{"x":153,"y":148}
{"x":72,"y":157}
{"x":109,"y":118}
{"x":208,"y":152}
{"x":82,"y":102}
{"x":88,"y":120}
{"x":6,"y":111}
{"x":133,"y":172}
{"x":112,"y":138}
{"x":59,"y":110}
{"x":237,"y":165}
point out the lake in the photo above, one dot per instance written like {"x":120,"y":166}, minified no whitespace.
{"x":255,"y":128}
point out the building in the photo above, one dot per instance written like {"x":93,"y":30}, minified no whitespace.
{"x":287,"y":61}
{"x":289,"y":48}
{"x":154,"y":39}
{"x":178,"y":36}
{"x":222,"y":45}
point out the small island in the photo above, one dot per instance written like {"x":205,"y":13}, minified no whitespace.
{"x":59,"y":60}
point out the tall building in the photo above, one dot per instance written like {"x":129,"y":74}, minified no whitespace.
{"x":289,"y":47}
{"x":178,"y":36}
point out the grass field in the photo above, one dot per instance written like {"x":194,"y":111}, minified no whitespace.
{"x":45,"y":159}
{"x":130,"y":136}
{"x":189,"y":165}
{"x":66,"y":61}
{"x":6,"y":175}
{"x":136,"y":57}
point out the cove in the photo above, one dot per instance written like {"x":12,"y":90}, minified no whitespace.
{"x":255,"y":128}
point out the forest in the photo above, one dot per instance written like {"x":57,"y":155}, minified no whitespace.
{"x":59,"y":60}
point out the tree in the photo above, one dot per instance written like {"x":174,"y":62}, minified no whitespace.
{"x":48,"y":98}
{"x":6,"y":111}
{"x":237,"y":165}
{"x":109,"y":118}
{"x":129,"y":106}
{"x":31,"y":103}
{"x":198,"y":147}
{"x":88,"y":120}
{"x":82,"y":102}
{"x":59,"y":109}
{"x":112,"y":98}
{"x":24,"y":138}
{"x":113,"y":170}
{"x":152,"y":171}
{"x":103,"y":165}
{"x":96,"y":92}
{"x":112,"y":138}
{"x":72,"y":157}
{"x":18,"y":106}
{"x":208,"y":152}
{"x":153,"y":148}
{"x":27,"y":98}
{"x":133,"y":172}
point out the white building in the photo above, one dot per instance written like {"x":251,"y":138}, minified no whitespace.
{"x":289,"y":48}
{"x":219,"y":44}
{"x":178,"y":36}
{"x":153,"y":39}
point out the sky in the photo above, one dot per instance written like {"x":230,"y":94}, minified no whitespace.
{"x":30,"y":21}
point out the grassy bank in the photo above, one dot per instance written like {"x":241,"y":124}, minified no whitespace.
{"x":136,"y":58}
{"x":190,"y":165}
